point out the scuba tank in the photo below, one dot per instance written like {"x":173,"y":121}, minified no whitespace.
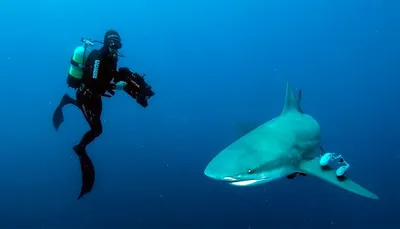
{"x":78,"y":61}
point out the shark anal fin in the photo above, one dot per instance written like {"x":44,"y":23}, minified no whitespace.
{"x":327,"y":174}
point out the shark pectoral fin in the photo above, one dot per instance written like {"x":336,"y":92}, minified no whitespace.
{"x":313,"y":168}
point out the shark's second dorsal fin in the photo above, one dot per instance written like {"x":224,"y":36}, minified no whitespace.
{"x":299,"y":95}
{"x":291,"y":103}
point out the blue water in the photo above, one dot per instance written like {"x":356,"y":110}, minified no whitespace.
{"x":212,"y":64}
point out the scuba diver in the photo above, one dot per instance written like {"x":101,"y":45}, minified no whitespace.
{"x":92,"y":74}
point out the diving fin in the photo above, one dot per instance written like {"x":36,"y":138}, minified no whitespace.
{"x":58,"y":118}
{"x":312,"y":167}
{"x":87,"y":169}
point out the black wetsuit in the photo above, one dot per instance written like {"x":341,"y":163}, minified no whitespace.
{"x":95,"y":83}
{"x":89,"y":97}
{"x":99,"y":71}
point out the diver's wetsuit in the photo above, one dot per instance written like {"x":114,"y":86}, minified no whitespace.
{"x":89,"y":96}
{"x":96,"y":81}
{"x":98,"y":72}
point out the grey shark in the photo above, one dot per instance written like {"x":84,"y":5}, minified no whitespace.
{"x":287,"y":144}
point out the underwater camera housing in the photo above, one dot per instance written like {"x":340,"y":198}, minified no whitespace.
{"x":136,"y":86}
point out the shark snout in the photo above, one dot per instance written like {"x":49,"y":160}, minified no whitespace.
{"x":216,"y":171}
{"x":218,"y":176}
{"x":227,"y":165}
{"x":209,"y":172}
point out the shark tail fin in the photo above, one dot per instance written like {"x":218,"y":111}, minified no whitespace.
{"x":313,"y":168}
{"x":291,"y":102}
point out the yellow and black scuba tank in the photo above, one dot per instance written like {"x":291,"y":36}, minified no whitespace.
{"x":78,"y":61}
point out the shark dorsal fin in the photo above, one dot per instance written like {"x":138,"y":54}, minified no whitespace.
{"x":291,"y":103}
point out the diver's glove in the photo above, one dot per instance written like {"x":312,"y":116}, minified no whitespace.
{"x":120,"y":85}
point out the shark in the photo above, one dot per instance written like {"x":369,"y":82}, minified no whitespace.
{"x":281,"y":147}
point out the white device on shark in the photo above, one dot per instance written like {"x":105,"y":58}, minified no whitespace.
{"x":329,"y":157}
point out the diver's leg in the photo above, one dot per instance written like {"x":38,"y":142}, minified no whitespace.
{"x":66,"y":99}
{"x":92,"y":111}
{"x":58,"y":116}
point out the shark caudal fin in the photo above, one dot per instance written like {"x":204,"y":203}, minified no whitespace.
{"x":291,"y":102}
{"x":313,"y":168}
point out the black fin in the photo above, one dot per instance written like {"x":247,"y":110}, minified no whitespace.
{"x":58,"y":118}
{"x":87,"y":169}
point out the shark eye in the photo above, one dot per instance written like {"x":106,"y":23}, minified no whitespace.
{"x":249,"y":171}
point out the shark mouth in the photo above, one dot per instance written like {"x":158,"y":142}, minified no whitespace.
{"x":243,"y":182}
{"x":236,"y":182}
